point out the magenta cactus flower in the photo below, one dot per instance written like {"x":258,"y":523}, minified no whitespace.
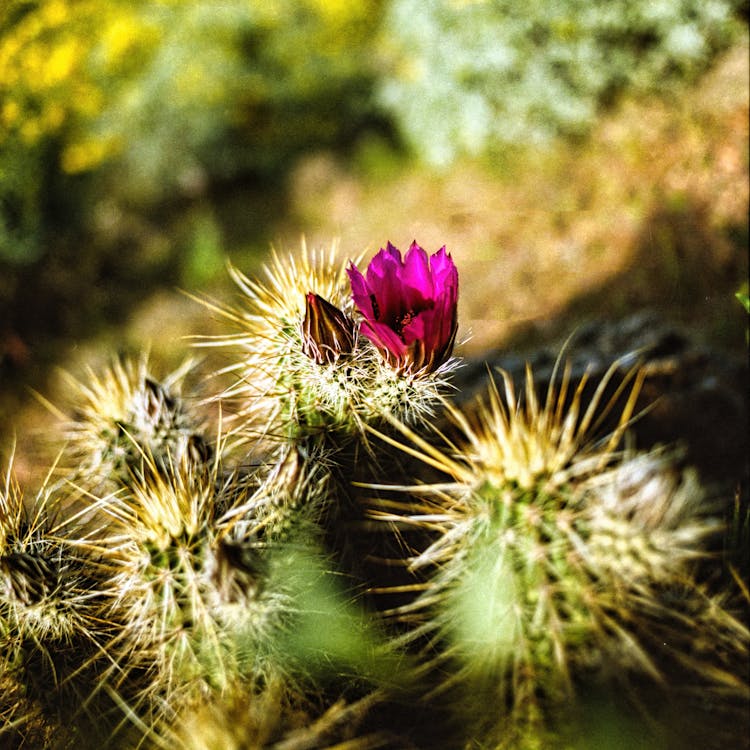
{"x":409,"y":306}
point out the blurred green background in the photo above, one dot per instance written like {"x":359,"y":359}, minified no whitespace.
{"x":578,"y":159}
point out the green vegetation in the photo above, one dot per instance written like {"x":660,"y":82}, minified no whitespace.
{"x":472,"y":77}
{"x":144,"y":103}
{"x":147,"y":100}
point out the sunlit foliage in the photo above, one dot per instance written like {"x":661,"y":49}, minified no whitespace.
{"x":472,"y":74}
{"x":164,"y":96}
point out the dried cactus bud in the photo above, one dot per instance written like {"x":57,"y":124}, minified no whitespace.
{"x":327,"y":332}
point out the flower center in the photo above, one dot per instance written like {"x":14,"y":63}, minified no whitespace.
{"x":404,"y":321}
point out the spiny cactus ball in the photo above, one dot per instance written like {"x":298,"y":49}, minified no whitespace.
{"x":553,"y":558}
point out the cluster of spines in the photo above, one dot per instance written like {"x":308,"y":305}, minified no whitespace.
{"x":552,"y":557}
{"x":125,"y":415}
{"x":53,"y":623}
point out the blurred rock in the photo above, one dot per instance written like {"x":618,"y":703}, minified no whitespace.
{"x":694,"y":395}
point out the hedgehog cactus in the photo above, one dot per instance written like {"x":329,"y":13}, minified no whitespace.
{"x":191,"y":592}
{"x":49,"y":592}
{"x":210,"y":573}
{"x":323,"y":351}
{"x":125,"y":414}
{"x":53,"y":625}
{"x":555,"y":558}
{"x":203,"y":593}
{"x":310,"y":365}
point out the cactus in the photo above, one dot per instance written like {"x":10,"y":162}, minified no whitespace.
{"x":305,"y":365}
{"x":182,"y":584}
{"x":322,"y":352}
{"x":52,"y":592}
{"x":125,"y":413}
{"x":199,"y":596}
{"x":553,"y":559}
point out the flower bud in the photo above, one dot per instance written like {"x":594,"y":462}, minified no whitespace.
{"x":327,"y":332}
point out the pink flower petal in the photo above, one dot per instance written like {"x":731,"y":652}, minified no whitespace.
{"x":416,"y":273}
{"x":360,"y":291}
{"x":443,"y":269}
{"x":384,"y":280}
{"x":384,"y":337}
{"x":418,"y":328}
